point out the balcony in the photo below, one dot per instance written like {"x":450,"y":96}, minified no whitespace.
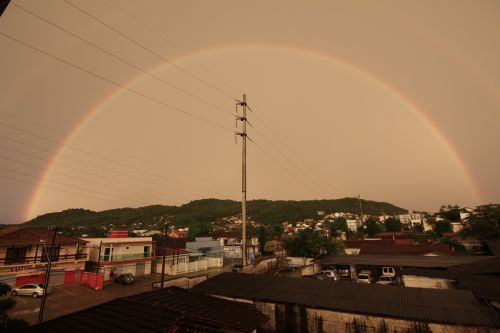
{"x":41,"y":258}
{"x":128,"y":256}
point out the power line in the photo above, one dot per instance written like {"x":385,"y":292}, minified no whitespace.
{"x":148,"y":49}
{"x":60,"y":183}
{"x":100,"y":157}
{"x":275,"y":135}
{"x":122,"y":59}
{"x":80,"y":170}
{"x":164,"y":40}
{"x":94,"y":143}
{"x":157,"y":101}
{"x":285,"y":169}
{"x":93,"y":165}
{"x":76,"y":177}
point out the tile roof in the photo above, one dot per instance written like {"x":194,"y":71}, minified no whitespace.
{"x":166,"y":310}
{"x":28,"y":236}
{"x":455,"y":307}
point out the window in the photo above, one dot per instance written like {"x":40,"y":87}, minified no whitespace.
{"x":53,"y":251}
{"x":107,"y":254}
{"x":16,"y":255}
{"x":147,"y":251}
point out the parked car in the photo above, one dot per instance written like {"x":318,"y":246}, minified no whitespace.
{"x":365,"y":276}
{"x":237,"y":268}
{"x":126,"y":278}
{"x":34,"y":290}
{"x":344,"y":273}
{"x":386,"y":279}
{"x":332,"y":274}
{"x":317,"y":277}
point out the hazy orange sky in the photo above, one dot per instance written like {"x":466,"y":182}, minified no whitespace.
{"x":395,"y":101}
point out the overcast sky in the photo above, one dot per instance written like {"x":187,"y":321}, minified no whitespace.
{"x":115,"y":103}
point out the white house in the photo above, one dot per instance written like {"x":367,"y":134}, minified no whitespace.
{"x":118,"y":255}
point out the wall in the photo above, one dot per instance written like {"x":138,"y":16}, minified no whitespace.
{"x":295,"y":318}
{"x":427,"y":282}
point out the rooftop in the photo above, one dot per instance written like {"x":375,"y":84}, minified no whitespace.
{"x":455,"y":307}
{"x":29,"y":236}
{"x":166,"y":310}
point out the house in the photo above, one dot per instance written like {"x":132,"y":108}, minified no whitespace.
{"x":169,"y":310}
{"x":119,"y":254}
{"x":231,"y":243}
{"x":24,"y":255}
{"x":186,"y":255}
{"x":178,"y":233}
{"x":308,"y":305}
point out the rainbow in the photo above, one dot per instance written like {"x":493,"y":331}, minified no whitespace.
{"x":103,"y":102}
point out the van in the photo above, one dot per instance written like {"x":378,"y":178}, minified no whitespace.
{"x":388,"y":271}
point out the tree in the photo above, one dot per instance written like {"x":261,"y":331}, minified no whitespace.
{"x":308,"y":243}
{"x":338,"y":226}
{"x":198,"y":229}
{"x":450,"y":213}
{"x":8,"y":325}
{"x":485,"y":224}
{"x":373,"y":227}
{"x":442,"y":227}
{"x":262,"y":239}
{"x":392,"y":224}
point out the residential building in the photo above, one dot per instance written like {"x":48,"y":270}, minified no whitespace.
{"x":118,"y":255}
{"x":353,"y":225}
{"x":231,"y":243}
{"x":25,"y":252}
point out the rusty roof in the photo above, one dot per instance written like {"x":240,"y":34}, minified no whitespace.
{"x":29,"y":236}
{"x":172,"y":310}
{"x":455,"y":307}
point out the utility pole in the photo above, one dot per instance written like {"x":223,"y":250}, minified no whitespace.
{"x":243,"y":134}
{"x":360,"y":209}
{"x":47,"y":275}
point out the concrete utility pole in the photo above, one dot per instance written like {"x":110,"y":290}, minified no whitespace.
{"x":50,"y":254}
{"x":243,"y":134}
{"x":360,"y":209}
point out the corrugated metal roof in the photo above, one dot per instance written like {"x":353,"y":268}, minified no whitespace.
{"x":401,"y":261}
{"x":457,"y":307}
{"x":171,"y":309}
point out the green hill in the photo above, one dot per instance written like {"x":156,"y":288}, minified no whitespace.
{"x":207,"y":210}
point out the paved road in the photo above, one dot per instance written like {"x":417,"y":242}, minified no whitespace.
{"x":67,"y":299}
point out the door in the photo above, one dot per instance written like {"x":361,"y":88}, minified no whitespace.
{"x":139,"y":270}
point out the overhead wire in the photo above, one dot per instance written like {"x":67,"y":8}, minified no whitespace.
{"x":60,"y":190}
{"x":161,"y":37}
{"x":98,"y":144}
{"x":144,"y":47}
{"x":84,"y":171}
{"x":102,"y":158}
{"x":113,"y":171}
{"x":74,"y":186}
{"x":136,"y":92}
{"x":77,"y":178}
{"x":168,"y":83}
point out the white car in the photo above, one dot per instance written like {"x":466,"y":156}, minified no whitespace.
{"x":32,"y":289}
{"x":364,"y":278}
{"x":388,"y":280}
{"x":332,"y":274}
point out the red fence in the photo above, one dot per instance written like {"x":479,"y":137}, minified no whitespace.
{"x":93,"y":280}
